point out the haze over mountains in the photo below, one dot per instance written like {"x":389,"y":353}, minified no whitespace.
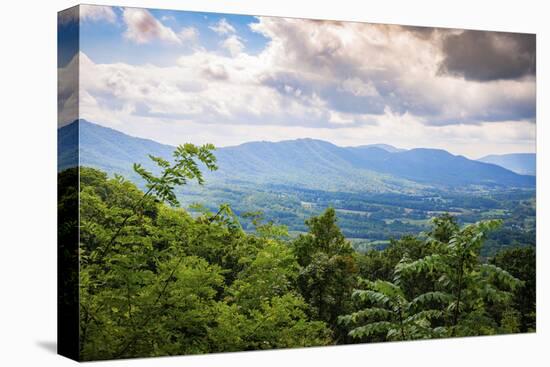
{"x":307,"y":163}
{"x":522,"y":163}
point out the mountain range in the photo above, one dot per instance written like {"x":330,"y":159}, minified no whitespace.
{"x":307,"y":163}
{"x":522,"y":163}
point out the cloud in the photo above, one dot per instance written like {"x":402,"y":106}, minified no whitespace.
{"x":87,"y":13}
{"x":97,"y":13}
{"x":325,"y":74}
{"x":402,"y":64}
{"x":359,"y":88}
{"x":222,"y":27}
{"x":142,"y":27}
{"x":188,"y":34}
{"x":421,"y":32}
{"x":203,"y":87}
{"x":233,"y":44}
{"x":166,"y":104}
{"x":350,"y":83}
{"x":215,"y":71}
{"x":67,"y":92}
{"x":484,"y":56}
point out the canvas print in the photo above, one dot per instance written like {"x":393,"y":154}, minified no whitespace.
{"x":234,"y":183}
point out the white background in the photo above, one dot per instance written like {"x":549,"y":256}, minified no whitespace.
{"x":28,"y":183}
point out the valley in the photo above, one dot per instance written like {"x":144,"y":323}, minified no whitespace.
{"x":379,"y":192}
{"x":369,"y":220}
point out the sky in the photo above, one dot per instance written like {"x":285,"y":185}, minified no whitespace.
{"x":176,"y":77}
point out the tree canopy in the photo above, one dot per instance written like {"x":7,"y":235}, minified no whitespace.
{"x":156,"y":279}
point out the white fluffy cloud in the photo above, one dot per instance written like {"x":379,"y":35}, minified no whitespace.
{"x":222,"y":27}
{"x":349,"y":83}
{"x":233,"y":44}
{"x":359,"y":88}
{"x":188,"y":34}
{"x":202,"y":87}
{"x":143,"y":27}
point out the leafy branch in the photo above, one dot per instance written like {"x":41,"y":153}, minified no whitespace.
{"x":184,"y":168}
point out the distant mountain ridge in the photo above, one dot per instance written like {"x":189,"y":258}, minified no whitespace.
{"x":386,"y":147}
{"x":522,"y":163}
{"x":307,"y":163}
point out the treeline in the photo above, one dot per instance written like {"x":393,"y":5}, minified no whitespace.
{"x":156,"y":280}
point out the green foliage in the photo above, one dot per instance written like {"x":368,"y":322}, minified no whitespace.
{"x":270,"y":273}
{"x":327,"y":270}
{"x":521,"y":263}
{"x":445,"y":292}
{"x":156,"y":280}
{"x":389,"y":315}
{"x":266,"y":230}
{"x":444,"y":228}
{"x":184,"y":168}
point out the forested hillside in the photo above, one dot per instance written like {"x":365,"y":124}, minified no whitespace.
{"x":157,"y":279}
{"x":307,"y":163}
{"x":379,"y":192}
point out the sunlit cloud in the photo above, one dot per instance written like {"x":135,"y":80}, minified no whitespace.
{"x":346,"y":82}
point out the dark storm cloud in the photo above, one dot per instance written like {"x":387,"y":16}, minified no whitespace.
{"x":485,"y":56}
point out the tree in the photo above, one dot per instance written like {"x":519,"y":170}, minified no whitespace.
{"x":444,"y":227}
{"x":120,"y":257}
{"x":280,"y":322}
{"x":457,"y":293}
{"x":380,"y":264}
{"x":521,"y":263}
{"x":470,"y":287}
{"x":327,"y":269}
{"x":271,"y":272}
{"x":389,"y":315}
{"x":155,"y":280}
{"x":184,"y":168}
